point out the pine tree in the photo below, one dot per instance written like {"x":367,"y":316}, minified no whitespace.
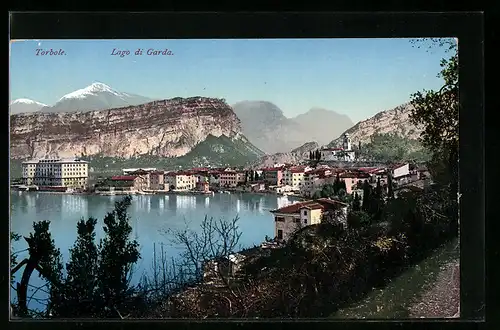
{"x":336,"y":184}
{"x":366,"y":196}
{"x":81,"y":280}
{"x":356,"y":204}
{"x":117,"y":254}
{"x":390,"y":191}
{"x":377,"y":201}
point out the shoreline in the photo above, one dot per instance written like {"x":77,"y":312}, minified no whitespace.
{"x":162,"y":193}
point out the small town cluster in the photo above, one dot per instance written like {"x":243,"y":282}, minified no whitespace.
{"x":304,"y":181}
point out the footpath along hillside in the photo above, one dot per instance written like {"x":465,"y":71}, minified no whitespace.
{"x":429,"y":289}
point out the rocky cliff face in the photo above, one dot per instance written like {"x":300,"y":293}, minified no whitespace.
{"x":395,"y":121}
{"x":164,"y":128}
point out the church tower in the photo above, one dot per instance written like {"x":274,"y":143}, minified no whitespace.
{"x":346,"y":144}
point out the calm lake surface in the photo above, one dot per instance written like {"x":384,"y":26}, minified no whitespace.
{"x":150,"y":216}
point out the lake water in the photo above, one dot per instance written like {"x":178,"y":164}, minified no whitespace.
{"x":150,"y":216}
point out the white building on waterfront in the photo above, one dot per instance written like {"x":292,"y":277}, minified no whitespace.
{"x":56,"y":172}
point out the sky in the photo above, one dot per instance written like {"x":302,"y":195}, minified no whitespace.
{"x":356,"y":77}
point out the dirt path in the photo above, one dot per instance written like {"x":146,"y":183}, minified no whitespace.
{"x":427,"y":289}
{"x":442,"y":299}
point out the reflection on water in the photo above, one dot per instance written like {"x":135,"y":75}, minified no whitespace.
{"x":151,"y":216}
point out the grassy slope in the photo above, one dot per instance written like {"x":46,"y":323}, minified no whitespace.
{"x":394,"y":300}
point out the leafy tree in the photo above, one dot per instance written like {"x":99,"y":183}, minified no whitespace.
{"x":317,"y":195}
{"x":438,"y":113}
{"x":358,"y":219}
{"x":14,"y":237}
{"x":327,"y":191}
{"x":45,"y":258}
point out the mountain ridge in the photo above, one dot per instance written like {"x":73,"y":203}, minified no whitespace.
{"x":391,"y":121}
{"x":97,"y":96}
{"x":25,"y":105}
{"x":166,"y":128}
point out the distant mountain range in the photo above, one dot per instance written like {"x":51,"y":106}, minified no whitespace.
{"x":199,"y":128}
{"x":268,"y":128}
{"x":25,"y":105}
{"x":132,"y":125}
{"x":97,"y":96}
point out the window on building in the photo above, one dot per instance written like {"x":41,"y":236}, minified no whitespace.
{"x":281,"y":219}
{"x":305,"y":221}
{"x":305,"y":212}
{"x":280,"y":234}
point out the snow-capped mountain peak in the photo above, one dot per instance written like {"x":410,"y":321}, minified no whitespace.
{"x":94,"y":88}
{"x":96,"y":96}
{"x":27,"y":101}
{"x":24,"y":105}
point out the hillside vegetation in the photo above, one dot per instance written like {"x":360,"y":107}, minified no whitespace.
{"x":393,"y":147}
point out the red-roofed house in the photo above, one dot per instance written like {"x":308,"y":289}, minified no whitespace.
{"x":290,"y":218}
{"x":273,"y":176}
{"x":352,"y":179}
{"x":128,"y":182}
{"x":314,"y":180}
{"x":294,"y":176}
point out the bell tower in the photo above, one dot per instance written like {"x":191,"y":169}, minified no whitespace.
{"x":346,"y":144}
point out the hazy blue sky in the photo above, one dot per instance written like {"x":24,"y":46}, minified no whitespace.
{"x":357,"y":77}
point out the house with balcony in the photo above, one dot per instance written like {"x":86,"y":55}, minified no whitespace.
{"x":291,"y":218}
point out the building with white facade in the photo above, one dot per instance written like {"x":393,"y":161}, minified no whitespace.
{"x":399,"y":170}
{"x":56,"y":172}
{"x":344,"y":153}
{"x":294,"y":176}
{"x":228,"y":178}
{"x":291,"y":218}
{"x":182,"y":180}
